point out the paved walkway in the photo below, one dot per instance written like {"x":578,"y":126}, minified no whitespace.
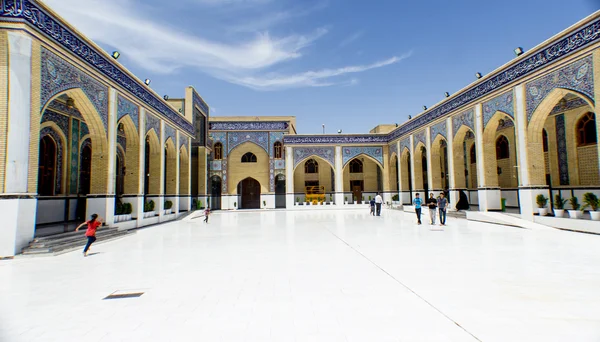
{"x":312,"y":276}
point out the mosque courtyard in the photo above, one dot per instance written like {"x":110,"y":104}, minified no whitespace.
{"x":311,"y":276}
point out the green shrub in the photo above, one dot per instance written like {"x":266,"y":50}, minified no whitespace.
{"x":541,"y":201}
{"x":590,"y":200}
{"x":168,"y":205}
{"x":149,"y":206}
{"x":396,"y":197}
{"x":574,"y":203}
{"x":127,"y":208}
{"x":118,"y":207}
{"x":559,"y":202}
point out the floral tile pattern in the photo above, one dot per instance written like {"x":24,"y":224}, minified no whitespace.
{"x":303,"y":153}
{"x":62,"y":121}
{"x":74,"y":167}
{"x":503,"y":103}
{"x":351,"y":152}
{"x":466,"y":118}
{"x":170,"y":133}
{"x":569,"y":105}
{"x":234,"y":139}
{"x":393,"y":149}
{"x":126,"y":107}
{"x":404,"y":144}
{"x":152,"y":122}
{"x":561,"y":141}
{"x":58,"y":75}
{"x":420,"y":137}
{"x":439,"y":128}
{"x":578,"y":76}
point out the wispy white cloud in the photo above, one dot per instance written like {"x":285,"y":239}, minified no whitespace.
{"x":161,"y":48}
{"x":350,"y":39}
{"x":321,"y":78}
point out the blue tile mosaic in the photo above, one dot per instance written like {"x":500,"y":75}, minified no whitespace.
{"x":393,"y":149}
{"x":58,"y":75}
{"x":198,"y":101}
{"x":274,"y":137}
{"x":61,"y":107}
{"x":420,"y":136}
{"x":503,"y":103}
{"x":74,"y":167}
{"x":60,"y":151}
{"x":126,"y":107}
{"x":215,"y":165}
{"x":152,"y":122}
{"x":219,"y":137}
{"x":303,"y":153}
{"x":62,"y":121}
{"x":183,"y":141}
{"x":578,"y":76}
{"x":170,"y":133}
{"x":405,"y":144}
{"x":466,"y":118}
{"x":279,"y":164}
{"x":122,"y":140}
{"x":351,"y":152}
{"x":569,"y":105}
{"x":84,"y":131}
{"x":335,"y":139}
{"x":234,"y":139}
{"x":439,"y":128}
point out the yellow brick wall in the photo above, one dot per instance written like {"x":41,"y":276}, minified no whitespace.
{"x":393,"y":174}
{"x":3,"y":104}
{"x":419,"y":176}
{"x":171,"y":158}
{"x":508,"y":177}
{"x":404,"y":167}
{"x":238,"y":171}
{"x":202,"y":171}
{"x":155,"y":174}
{"x":472,"y":167}
{"x":324,"y":176}
{"x":36,"y":56}
{"x":184,"y":172}
{"x":369,"y":175}
{"x":588,"y":165}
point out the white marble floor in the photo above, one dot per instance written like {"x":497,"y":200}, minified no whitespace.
{"x":312,"y":276}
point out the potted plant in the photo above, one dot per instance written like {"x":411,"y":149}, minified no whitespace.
{"x":559,"y":205}
{"x":297,"y":200}
{"x":355,"y":200}
{"x":168,"y":208}
{"x":235,"y":204}
{"x":346,"y":200}
{"x":395,"y":199}
{"x":264,"y":204}
{"x":590,"y":200}
{"x":331,"y":198}
{"x":149,"y":209}
{"x":575,"y":206}
{"x":542,"y":201}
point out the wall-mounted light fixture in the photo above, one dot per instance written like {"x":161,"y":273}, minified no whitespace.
{"x":478,"y":75}
{"x":147,"y":82}
{"x":116,"y":54}
{"x":519,"y":51}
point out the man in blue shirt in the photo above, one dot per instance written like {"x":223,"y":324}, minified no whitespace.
{"x":417,"y":203}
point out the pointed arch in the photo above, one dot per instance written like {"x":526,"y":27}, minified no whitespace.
{"x":170,"y":168}
{"x":184,"y":171}
{"x":131,"y":154}
{"x":236,"y":171}
{"x":439,"y":163}
{"x":490,"y":177}
{"x":463,"y":172}
{"x":152,"y":164}
{"x":316,"y":157}
{"x":52,"y":129}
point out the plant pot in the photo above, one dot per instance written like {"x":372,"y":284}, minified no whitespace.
{"x":559,"y":212}
{"x":575,"y":214}
{"x":595,"y":215}
{"x":346,"y":202}
{"x":543,"y":211}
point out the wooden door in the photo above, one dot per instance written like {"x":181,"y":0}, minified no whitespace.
{"x":357,"y":192}
{"x":250,"y":194}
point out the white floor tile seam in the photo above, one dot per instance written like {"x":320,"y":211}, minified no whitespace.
{"x":402,"y":284}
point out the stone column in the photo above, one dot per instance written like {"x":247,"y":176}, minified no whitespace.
{"x":138,"y":204}
{"x":399,"y":174}
{"x":290,"y":200}
{"x":339,"y":176}
{"x":387,"y":196}
{"x":454,"y":195}
{"x":489,"y":197}
{"x":429,"y":161}
{"x":104,"y":204}
{"x":17,"y":206}
{"x":527,"y":191}
{"x":412,"y":169}
{"x":160,"y":199}
{"x":177,"y":173}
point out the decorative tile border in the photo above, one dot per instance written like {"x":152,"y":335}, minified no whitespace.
{"x":439,"y":128}
{"x":503,"y":103}
{"x":274,"y":137}
{"x":34,"y":14}
{"x":84,"y":129}
{"x":183,"y":141}
{"x":466,"y":118}
{"x":198,"y":101}
{"x":215,"y":165}
{"x":74,"y":167}
{"x":351,"y":152}
{"x":58,"y":106}
{"x":279,"y":164}
{"x":335,"y":139}
{"x":219,"y":137}
{"x":126,"y":107}
{"x":578,"y":76}
{"x":58,"y":76}
{"x":302,"y":153}
{"x":248,"y":125}
{"x":234,"y":139}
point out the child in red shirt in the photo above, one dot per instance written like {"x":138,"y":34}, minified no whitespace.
{"x":92,"y":226}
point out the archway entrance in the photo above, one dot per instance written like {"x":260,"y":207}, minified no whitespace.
{"x":215,"y":193}
{"x":249,"y":189}
{"x":85,"y":171}
{"x":280,"y":191}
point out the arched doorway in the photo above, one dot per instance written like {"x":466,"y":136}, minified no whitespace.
{"x":120,"y":174}
{"x":280,"y":191}
{"x":215,"y":192}
{"x":47,"y":165}
{"x":249,"y":189}
{"x":85,"y":170}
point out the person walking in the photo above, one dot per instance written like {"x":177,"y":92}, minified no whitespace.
{"x":206,"y":214}
{"x":378,"y":202}
{"x":442,"y":203}
{"x":92,"y":226}
{"x":417,"y":204}
{"x":432,"y":205}
{"x":372,"y":205}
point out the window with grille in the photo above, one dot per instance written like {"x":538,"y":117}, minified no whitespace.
{"x":311,"y":166}
{"x":502,"y":151}
{"x":249,"y":158}
{"x":586,"y":130}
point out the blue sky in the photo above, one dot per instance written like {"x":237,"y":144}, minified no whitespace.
{"x":347,"y":64}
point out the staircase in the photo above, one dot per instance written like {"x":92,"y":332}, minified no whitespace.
{"x":66,"y":242}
